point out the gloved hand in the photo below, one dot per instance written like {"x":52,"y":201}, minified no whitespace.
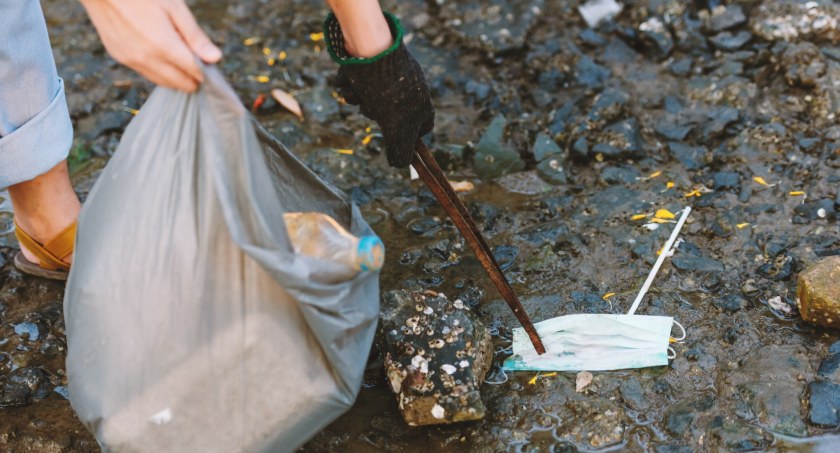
{"x":389,"y":89}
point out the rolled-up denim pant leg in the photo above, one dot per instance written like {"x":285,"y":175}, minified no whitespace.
{"x":35,"y":128}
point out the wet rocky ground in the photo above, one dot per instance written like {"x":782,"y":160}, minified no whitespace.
{"x":570,"y":134}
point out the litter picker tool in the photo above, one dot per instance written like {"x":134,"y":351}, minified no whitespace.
{"x":600,"y":342}
{"x":431,"y":174}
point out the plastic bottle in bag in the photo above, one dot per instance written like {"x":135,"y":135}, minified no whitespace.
{"x":320,"y":236}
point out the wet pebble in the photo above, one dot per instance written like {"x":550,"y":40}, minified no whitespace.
{"x":726,"y":180}
{"x":740,"y":436}
{"x":697,"y":264}
{"x":493,"y":158}
{"x":824,"y":403}
{"x":730,"y":303}
{"x":803,"y":64}
{"x":726,"y":17}
{"x":729,"y":41}
{"x":22,"y":386}
{"x":620,"y":174}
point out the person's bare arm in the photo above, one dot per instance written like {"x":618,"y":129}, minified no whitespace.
{"x":160,"y":39}
{"x":366,"y":33}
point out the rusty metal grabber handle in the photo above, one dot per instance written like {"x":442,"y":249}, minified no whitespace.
{"x":433,"y":176}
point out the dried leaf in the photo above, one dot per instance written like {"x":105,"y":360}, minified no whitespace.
{"x":288,"y":101}
{"x":583,"y":379}
{"x":461,"y":186}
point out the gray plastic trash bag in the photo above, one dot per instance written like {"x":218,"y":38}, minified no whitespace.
{"x":191,"y":326}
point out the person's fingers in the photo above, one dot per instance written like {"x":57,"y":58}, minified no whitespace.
{"x":399,"y":146}
{"x":345,"y":89}
{"x":192,"y":33}
{"x":168,"y":75}
{"x":428,"y":124}
{"x":173,"y":49}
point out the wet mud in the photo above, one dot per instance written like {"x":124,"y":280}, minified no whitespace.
{"x":573,"y":137}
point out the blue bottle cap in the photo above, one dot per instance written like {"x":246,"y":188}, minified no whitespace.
{"x":371,"y":253}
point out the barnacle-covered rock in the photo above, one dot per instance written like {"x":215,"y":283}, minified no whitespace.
{"x":818,"y":295}
{"x":438,"y":353}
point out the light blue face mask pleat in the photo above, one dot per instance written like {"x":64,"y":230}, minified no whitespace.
{"x":599,"y":342}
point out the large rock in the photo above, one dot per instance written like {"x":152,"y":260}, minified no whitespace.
{"x":438,"y":353}
{"x":791,"y":20}
{"x":818,"y":294}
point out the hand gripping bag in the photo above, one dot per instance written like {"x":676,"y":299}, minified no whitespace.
{"x":191,"y":325}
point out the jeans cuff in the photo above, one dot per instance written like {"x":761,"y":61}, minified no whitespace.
{"x":39,"y":144}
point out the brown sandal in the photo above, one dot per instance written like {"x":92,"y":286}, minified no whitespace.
{"x":51,"y":255}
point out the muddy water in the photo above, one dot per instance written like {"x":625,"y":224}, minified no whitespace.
{"x":630,"y":109}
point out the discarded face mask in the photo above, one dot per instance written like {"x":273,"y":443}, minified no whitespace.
{"x":594,"y":342}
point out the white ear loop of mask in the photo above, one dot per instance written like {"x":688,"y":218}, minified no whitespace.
{"x":677,"y":340}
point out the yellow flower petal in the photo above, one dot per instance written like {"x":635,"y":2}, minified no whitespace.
{"x":534,"y":379}
{"x":282,"y":55}
{"x":344,"y":151}
{"x":316,"y":36}
{"x":796,"y":193}
{"x":693,"y":193}
{"x":262,"y":79}
{"x":658,"y":220}
{"x":669,"y":185}
{"x":664,"y":214}
{"x":251,"y":41}
{"x":271,"y":61}
{"x":639,"y":216}
{"x":607,"y":296}
{"x":655,"y":174}
{"x":742,"y":225}
{"x":761,"y":181}
{"x":367,"y":139}
{"x":266,"y":51}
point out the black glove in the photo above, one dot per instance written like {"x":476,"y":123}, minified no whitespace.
{"x":389,"y":89}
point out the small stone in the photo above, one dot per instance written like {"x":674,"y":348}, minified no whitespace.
{"x":730,"y":303}
{"x":727,"y":180}
{"x":818,"y":294}
{"x":544,"y":147}
{"x":492,"y":158}
{"x":824,"y":404}
{"x":726,"y":17}
{"x":803,"y":64}
{"x":552,"y":171}
{"x":730,"y":42}
{"x":697,"y":264}
{"x":583,"y":379}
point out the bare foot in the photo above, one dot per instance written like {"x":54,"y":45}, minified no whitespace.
{"x":45,"y":206}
